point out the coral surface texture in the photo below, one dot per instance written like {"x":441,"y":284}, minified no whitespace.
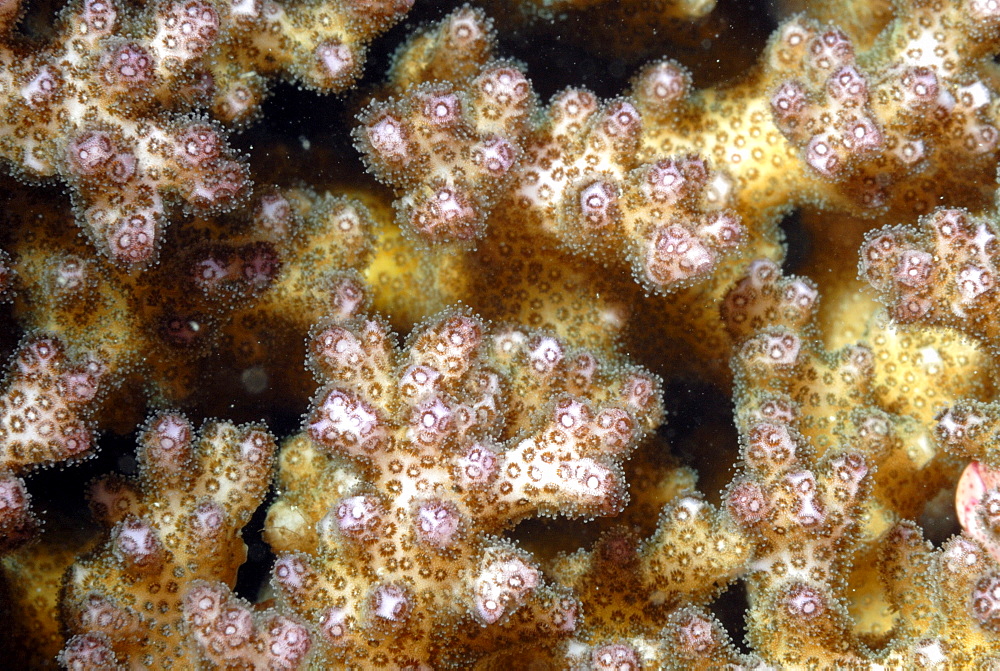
{"x":583,"y":335}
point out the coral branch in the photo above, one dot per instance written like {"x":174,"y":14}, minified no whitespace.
{"x":431,"y":452}
{"x":178,"y":522}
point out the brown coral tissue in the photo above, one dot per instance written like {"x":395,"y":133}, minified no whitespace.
{"x":503,"y":334}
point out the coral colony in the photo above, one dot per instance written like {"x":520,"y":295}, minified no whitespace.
{"x":417,"y":391}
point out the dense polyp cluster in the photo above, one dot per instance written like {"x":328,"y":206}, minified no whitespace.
{"x":834,"y":115}
{"x":411,"y":460}
{"x":781,"y":358}
{"x":45,"y":408}
{"x":121,"y":154}
{"x":942,"y":273}
{"x":113,"y":104}
{"x":461,"y":141}
{"x":581,"y":182}
{"x":942,"y":600}
{"x":862,"y":126}
{"x":449,"y":145}
{"x":177,"y":523}
{"x":633,"y":591}
{"x":830,"y":463}
{"x":803,"y":513}
{"x":802,"y":490}
{"x":519,"y":247}
{"x":835,"y":90}
{"x":765,"y":298}
{"x":229,"y":633}
{"x":881,"y":395}
{"x":45,"y":404}
{"x":318,"y":45}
